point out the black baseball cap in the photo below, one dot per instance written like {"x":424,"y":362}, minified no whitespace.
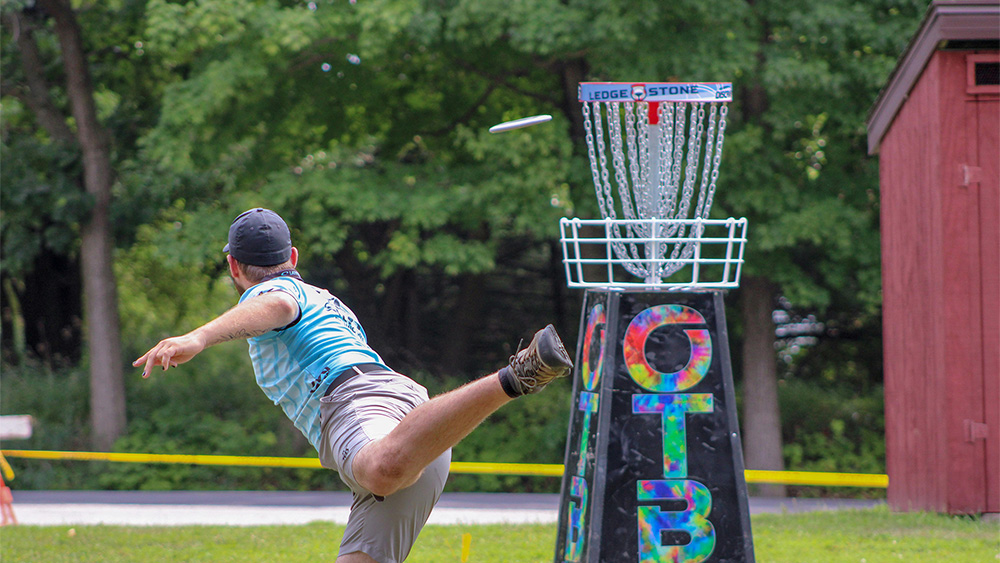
{"x":259,"y":237}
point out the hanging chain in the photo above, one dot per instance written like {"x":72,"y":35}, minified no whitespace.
{"x":646,"y":187}
{"x":605,"y":177}
{"x":663,"y":194}
{"x":666,"y":150}
{"x":691,"y":160}
{"x":600,"y":175}
{"x":594,"y":172}
{"x":695,"y":124}
{"x":617,"y":157}
{"x":676,"y":163}
{"x":723,"y":111}
{"x":633,"y":158}
{"x":616,"y":244}
{"x":707,"y":166}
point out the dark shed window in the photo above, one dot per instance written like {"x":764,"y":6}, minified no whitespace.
{"x":983,"y":76}
{"x":987,"y":74}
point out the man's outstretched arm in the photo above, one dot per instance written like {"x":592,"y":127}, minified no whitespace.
{"x":253,"y":317}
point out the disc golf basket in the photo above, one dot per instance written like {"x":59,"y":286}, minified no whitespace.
{"x":652,"y":147}
{"x":654,"y":462}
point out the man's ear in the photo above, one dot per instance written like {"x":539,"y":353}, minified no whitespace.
{"x":294,"y":257}
{"x":234,"y":269}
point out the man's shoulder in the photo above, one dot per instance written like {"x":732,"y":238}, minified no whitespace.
{"x":295,"y":287}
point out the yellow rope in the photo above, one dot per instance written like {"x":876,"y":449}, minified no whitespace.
{"x":815,"y":478}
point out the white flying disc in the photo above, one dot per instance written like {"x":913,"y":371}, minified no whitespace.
{"x":518,"y":123}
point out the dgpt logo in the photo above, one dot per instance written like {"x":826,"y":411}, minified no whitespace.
{"x":657,"y":497}
{"x":639,"y":92}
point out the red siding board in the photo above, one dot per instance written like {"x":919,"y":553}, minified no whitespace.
{"x":988,"y":108}
{"x":941,"y":294}
{"x":909,"y":243}
{"x":934,"y":406}
{"x":963,"y":340}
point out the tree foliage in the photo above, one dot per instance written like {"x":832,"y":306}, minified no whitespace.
{"x":795,"y":157}
{"x":365,"y":123}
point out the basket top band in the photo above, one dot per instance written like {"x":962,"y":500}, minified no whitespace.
{"x":656,"y":92}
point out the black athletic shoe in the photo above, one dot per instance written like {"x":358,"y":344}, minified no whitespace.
{"x":534,"y":367}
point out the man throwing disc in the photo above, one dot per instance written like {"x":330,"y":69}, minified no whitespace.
{"x":377,"y":428}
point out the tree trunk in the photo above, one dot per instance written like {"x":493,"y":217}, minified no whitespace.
{"x":107,"y":388}
{"x":573,"y":72}
{"x":37,"y":97}
{"x":762,"y":448}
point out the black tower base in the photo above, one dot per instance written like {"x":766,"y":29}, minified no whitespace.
{"x":654,"y":466}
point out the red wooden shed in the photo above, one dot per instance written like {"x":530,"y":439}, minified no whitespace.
{"x":936,"y":129}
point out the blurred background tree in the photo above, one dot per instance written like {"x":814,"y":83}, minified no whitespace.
{"x":364,"y":124}
{"x":70,"y":224}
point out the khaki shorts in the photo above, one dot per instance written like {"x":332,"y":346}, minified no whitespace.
{"x":363,"y":409}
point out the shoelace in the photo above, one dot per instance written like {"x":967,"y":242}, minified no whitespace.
{"x":530,"y":361}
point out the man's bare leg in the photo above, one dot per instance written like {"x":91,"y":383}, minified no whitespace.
{"x":396,"y":461}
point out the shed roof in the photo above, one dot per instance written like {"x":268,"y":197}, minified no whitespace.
{"x":946,"y":21}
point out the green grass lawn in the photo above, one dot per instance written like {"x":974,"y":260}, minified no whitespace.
{"x":868,"y":536}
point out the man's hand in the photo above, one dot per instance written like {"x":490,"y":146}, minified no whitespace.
{"x":253,"y":317}
{"x":170,"y":352}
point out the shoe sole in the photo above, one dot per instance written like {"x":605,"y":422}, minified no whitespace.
{"x":551,"y":350}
